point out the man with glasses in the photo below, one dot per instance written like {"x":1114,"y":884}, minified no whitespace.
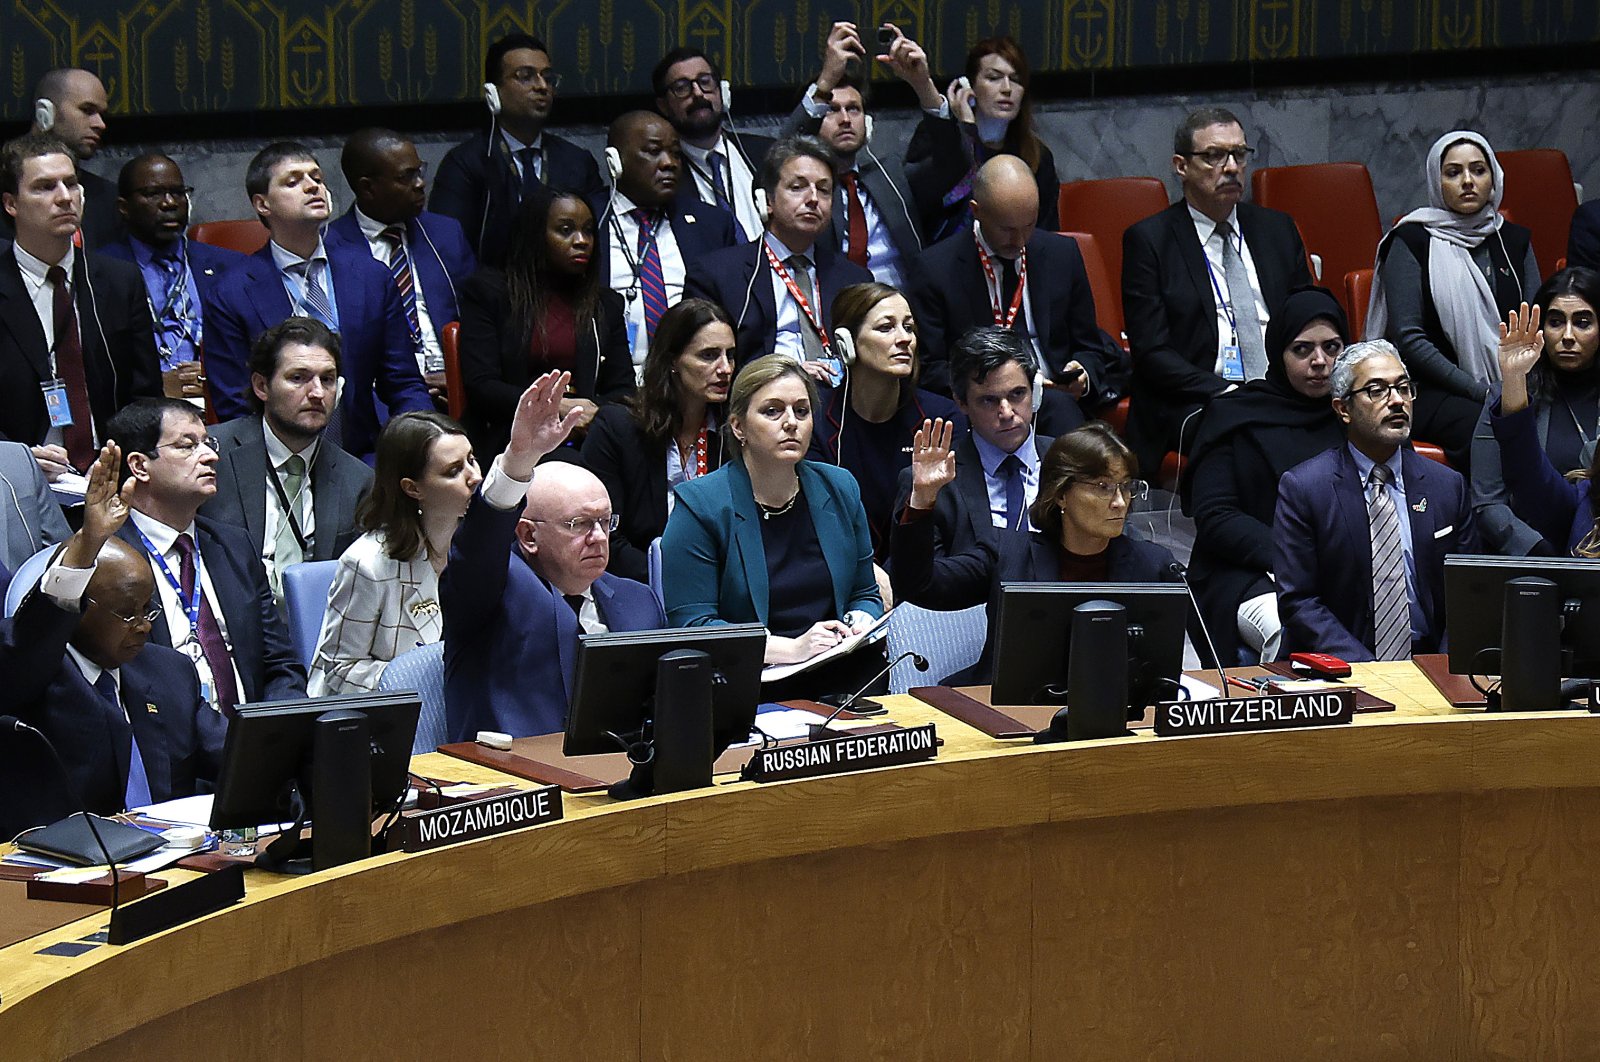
{"x":484,"y":179}
{"x":1199,"y":281}
{"x":511,"y":624}
{"x":125,"y":716}
{"x":216,"y":604}
{"x":178,"y":273}
{"x":1361,"y":531}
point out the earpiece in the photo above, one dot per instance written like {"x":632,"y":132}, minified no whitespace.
{"x":760,"y":198}
{"x":613,"y":163}
{"x":727,"y":96}
{"x":866,"y":132}
{"x":491,"y":97}
{"x":845,"y":345}
{"x":1038,"y":391}
{"x":44,"y":115}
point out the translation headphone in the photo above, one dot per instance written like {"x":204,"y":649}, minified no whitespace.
{"x":866,"y":129}
{"x":44,"y":114}
{"x":845,"y":345}
{"x":613,"y":163}
{"x":759,"y":197}
{"x":491,"y":97}
{"x":727,"y":96}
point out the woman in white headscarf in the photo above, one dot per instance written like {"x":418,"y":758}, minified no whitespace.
{"x":1447,"y":275}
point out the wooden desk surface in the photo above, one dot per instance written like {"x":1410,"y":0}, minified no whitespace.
{"x":1410,"y":886}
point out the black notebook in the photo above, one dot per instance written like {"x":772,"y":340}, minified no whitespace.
{"x":71,"y":841}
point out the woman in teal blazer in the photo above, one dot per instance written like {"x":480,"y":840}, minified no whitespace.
{"x":774,"y":539}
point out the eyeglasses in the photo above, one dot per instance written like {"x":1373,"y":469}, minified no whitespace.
{"x":132,"y":621}
{"x":1378,"y":390}
{"x":1132,"y":489}
{"x":681,"y":88}
{"x":1215,"y":157}
{"x":585,"y":525}
{"x":187,"y":447}
{"x":527,"y":75}
{"x":156,"y":195}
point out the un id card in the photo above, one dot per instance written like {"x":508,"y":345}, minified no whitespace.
{"x":1232,"y":364}
{"x":56,"y":404}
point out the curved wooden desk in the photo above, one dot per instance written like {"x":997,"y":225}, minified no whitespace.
{"x":1414,"y":886}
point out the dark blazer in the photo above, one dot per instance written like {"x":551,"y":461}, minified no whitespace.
{"x":440,"y":259}
{"x":207,"y":263}
{"x":267,"y":662}
{"x":1583,"y":240}
{"x":943,"y":560}
{"x":715,"y":563}
{"x":939,"y":157}
{"x":750,"y":147}
{"x":494,"y":358}
{"x":373,"y":335}
{"x":510,"y":638}
{"x":740,"y":281}
{"x":479,"y":187}
{"x":1322,"y":550}
{"x":951,"y":295}
{"x":1172,"y":317}
{"x":338,"y":482}
{"x":30,"y":516}
{"x":119,"y":346}
{"x":180,"y":736}
{"x":1561,"y":513}
{"x":700,"y":228}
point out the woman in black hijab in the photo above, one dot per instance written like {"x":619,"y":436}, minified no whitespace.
{"x":1246,"y":440}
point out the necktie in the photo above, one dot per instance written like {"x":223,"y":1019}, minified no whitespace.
{"x":1391,"y":608}
{"x":1008,"y":290}
{"x":314,"y":301}
{"x":1010,"y":471}
{"x":400,"y":270}
{"x":1242,"y":298}
{"x":652,"y":284}
{"x":177,"y":311}
{"x":79,"y":435}
{"x":137,"y":794}
{"x":809,"y":340}
{"x":208,"y":633}
{"x":286,"y":547}
{"x":528,"y":159}
{"x":719,"y":183}
{"x":576,"y":601}
{"x":858,"y":221}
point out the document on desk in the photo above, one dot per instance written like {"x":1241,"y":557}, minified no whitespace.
{"x":878,"y":630}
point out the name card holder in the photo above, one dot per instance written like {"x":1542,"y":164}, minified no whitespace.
{"x":840,"y":755}
{"x":423,"y":830}
{"x":1268,"y":711}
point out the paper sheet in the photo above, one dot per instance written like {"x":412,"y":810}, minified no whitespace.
{"x":878,"y":630}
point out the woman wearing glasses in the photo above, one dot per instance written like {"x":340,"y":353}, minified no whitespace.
{"x":1245,"y":441}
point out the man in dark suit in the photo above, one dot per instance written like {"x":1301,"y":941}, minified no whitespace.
{"x":650,"y":227}
{"x":511,"y":624}
{"x":75,"y":339}
{"x":71,"y":104}
{"x":1005,"y":271}
{"x":126,"y":717}
{"x":1361,"y":531}
{"x":291,"y":489}
{"x":297,"y":274}
{"x":211,"y":590}
{"x":1192,"y":336}
{"x":425,"y":253}
{"x":30,"y":516}
{"x":178,"y":272}
{"x":780,"y":288}
{"x":484,"y":179}
{"x":1583,"y":239}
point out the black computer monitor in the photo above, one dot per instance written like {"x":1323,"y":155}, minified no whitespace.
{"x":1034,"y":632}
{"x":1554,"y":631}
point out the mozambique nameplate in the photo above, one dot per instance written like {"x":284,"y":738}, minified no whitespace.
{"x":1269,"y":711}
{"x":853,"y":752}
{"x":479,"y":818}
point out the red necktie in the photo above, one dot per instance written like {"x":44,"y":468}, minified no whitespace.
{"x":79,"y":436}
{"x":858,"y":221}
{"x":208,"y":633}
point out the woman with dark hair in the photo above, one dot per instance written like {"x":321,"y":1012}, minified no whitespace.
{"x":385,"y":594}
{"x":866,"y":425}
{"x":1246,"y":440}
{"x":547,"y":311}
{"x":986,"y":112}
{"x":668,"y":433}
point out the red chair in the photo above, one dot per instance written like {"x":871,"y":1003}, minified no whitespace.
{"x":1540,"y":195}
{"x":1103,"y":285}
{"x":1357,"y":294}
{"x":1431,"y":451}
{"x":1335,"y":208}
{"x":1105,"y":209}
{"x":449,"y":343}
{"x":245,"y":235}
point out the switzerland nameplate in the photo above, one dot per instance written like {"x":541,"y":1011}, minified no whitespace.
{"x":479,"y":818}
{"x":855,"y":752}
{"x":1270,"y":711}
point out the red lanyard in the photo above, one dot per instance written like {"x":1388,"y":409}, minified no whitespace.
{"x":799,"y":298}
{"x":1010,"y":316}
{"x":700,"y":452}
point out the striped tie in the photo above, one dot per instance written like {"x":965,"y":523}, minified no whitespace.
{"x":400,"y":270}
{"x":1391,"y":608}
{"x":315,"y":298}
{"x":652,"y":284}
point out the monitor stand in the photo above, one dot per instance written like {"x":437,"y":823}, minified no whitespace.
{"x":341,"y":800}
{"x":677,"y":743}
{"x":1097,"y":677}
{"x":1530,"y":651}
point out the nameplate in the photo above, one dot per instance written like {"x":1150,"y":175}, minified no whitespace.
{"x":480,"y":818}
{"x":854,"y":752}
{"x":1270,"y":711}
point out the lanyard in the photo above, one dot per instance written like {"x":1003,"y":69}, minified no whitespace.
{"x":1223,"y":300}
{"x":799,"y":298}
{"x":287,"y":506}
{"x":191,"y":607}
{"x":1007,"y":318}
{"x":635,"y":258}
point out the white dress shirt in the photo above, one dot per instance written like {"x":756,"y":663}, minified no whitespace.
{"x":516,"y":145}
{"x":165,"y":540}
{"x":1211,"y":244}
{"x":305,"y":511}
{"x":625,"y":266}
{"x":741,"y":182}
{"x":43,"y":297}
{"x":789,"y":341}
{"x":431,"y":353}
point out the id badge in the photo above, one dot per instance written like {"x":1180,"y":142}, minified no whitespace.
{"x":1232,"y":364}
{"x":56,"y":404}
{"x":633,"y":336}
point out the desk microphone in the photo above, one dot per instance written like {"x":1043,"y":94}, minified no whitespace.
{"x":1177,"y":569}
{"x":821,"y":730}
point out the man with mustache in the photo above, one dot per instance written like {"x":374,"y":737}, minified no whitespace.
{"x":1199,"y":281}
{"x":1361,"y":532}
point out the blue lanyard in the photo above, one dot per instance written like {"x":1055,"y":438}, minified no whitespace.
{"x":191,"y":608}
{"x":1223,"y":300}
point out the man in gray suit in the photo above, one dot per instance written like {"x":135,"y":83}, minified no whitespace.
{"x":30,"y":519}
{"x":292,"y":490}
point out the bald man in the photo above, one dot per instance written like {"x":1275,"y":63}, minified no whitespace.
{"x":126,"y":716}
{"x":653,"y":226}
{"x":71,"y":104}
{"x":1003,"y":270}
{"x":511,"y":624}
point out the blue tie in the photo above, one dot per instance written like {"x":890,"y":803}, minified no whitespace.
{"x":138,"y":792}
{"x":1011,"y":470}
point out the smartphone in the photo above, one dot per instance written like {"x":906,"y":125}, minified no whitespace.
{"x":886,"y":37}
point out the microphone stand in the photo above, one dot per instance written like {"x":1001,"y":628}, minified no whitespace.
{"x":822,"y":729}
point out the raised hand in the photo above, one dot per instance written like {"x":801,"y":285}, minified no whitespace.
{"x":105,"y":508}
{"x":539,"y":426}
{"x":933,"y":462}
{"x":910,"y":64}
{"x":843,"y":46}
{"x":1521,"y":343}
{"x":961,"y":101}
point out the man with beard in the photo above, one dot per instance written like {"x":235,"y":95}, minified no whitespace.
{"x":1361,"y":531}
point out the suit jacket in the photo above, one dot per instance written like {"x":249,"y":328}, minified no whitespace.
{"x":34,"y":519}
{"x":740,"y":281}
{"x":1583,"y":240}
{"x":373,"y":334}
{"x":940,"y":156}
{"x":715,"y":563}
{"x":440,"y":259}
{"x":179,"y":735}
{"x":1172,"y":318}
{"x":267,"y":663}
{"x":750,"y":147}
{"x":378,"y":608}
{"x":1322,"y":550}
{"x":700,"y":228}
{"x":119,"y":347}
{"x":479,"y":187}
{"x":510,"y":638}
{"x":207,"y":263}
{"x":338,"y":482}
